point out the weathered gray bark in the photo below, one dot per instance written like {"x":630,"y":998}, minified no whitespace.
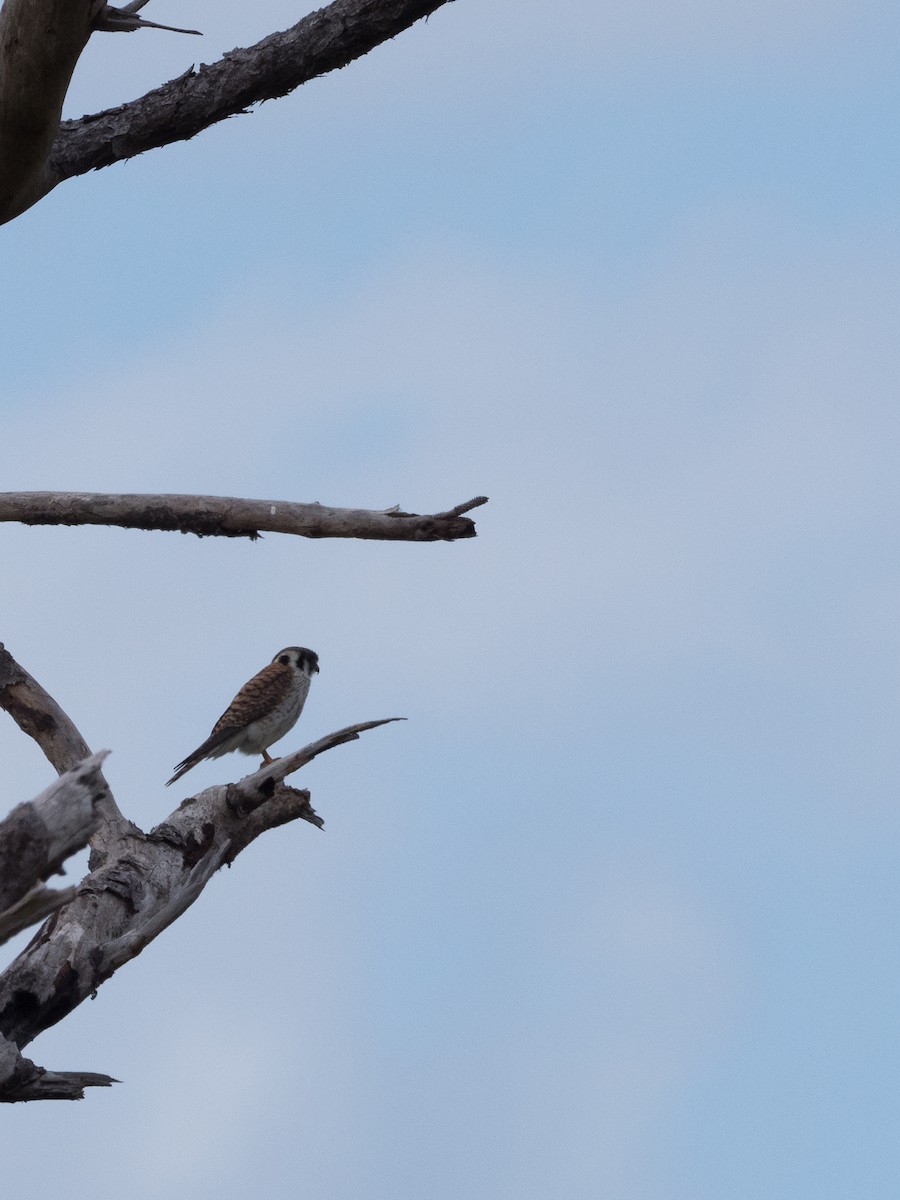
{"x":20,"y":1079}
{"x":36,"y":713}
{"x":228,"y":516}
{"x":39,"y":835}
{"x":34,"y":79}
{"x":138,"y":884}
{"x":33,"y":908}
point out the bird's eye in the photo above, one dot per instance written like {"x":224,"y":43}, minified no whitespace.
{"x":284,"y":659}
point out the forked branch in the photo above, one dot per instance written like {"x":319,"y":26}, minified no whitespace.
{"x":41,"y":41}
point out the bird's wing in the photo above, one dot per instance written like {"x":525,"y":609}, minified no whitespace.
{"x":256,"y":698}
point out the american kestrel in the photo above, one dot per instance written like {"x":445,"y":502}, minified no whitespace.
{"x":263,"y":710}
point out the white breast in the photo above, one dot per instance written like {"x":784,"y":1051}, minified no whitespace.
{"x":261,"y":734}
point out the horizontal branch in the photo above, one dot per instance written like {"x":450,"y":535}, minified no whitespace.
{"x":124,"y":904}
{"x":227,"y":516}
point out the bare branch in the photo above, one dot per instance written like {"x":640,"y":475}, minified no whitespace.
{"x":38,"y":836}
{"x":121,"y":906}
{"x":20,"y":1079}
{"x":263,"y":780}
{"x":36,"y":713}
{"x":321,"y":42}
{"x":33,"y":908}
{"x":467,"y":506}
{"x":31,"y":93}
{"x":230,"y":516}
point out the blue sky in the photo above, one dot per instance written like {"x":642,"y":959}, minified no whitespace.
{"x":614,"y":912}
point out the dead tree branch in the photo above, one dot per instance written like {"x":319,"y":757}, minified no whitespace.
{"x":37,"y":152}
{"x":122,"y":905}
{"x":33,"y":908}
{"x":36,"y":713}
{"x":39,"y":835}
{"x":227,"y":516}
{"x":20,"y":1079}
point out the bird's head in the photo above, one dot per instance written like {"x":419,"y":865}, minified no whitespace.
{"x":304,"y":660}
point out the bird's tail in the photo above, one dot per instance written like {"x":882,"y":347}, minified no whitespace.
{"x":183,"y":767}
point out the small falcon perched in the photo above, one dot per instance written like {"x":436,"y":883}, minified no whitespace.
{"x":263,"y":711}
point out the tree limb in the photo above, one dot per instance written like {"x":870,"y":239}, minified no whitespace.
{"x":275,"y":772}
{"x":20,"y":1079}
{"x":36,"y":713}
{"x":227,"y":516}
{"x":33,"y":908}
{"x":39,"y":835}
{"x":31,"y":94}
{"x":128,"y":901}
